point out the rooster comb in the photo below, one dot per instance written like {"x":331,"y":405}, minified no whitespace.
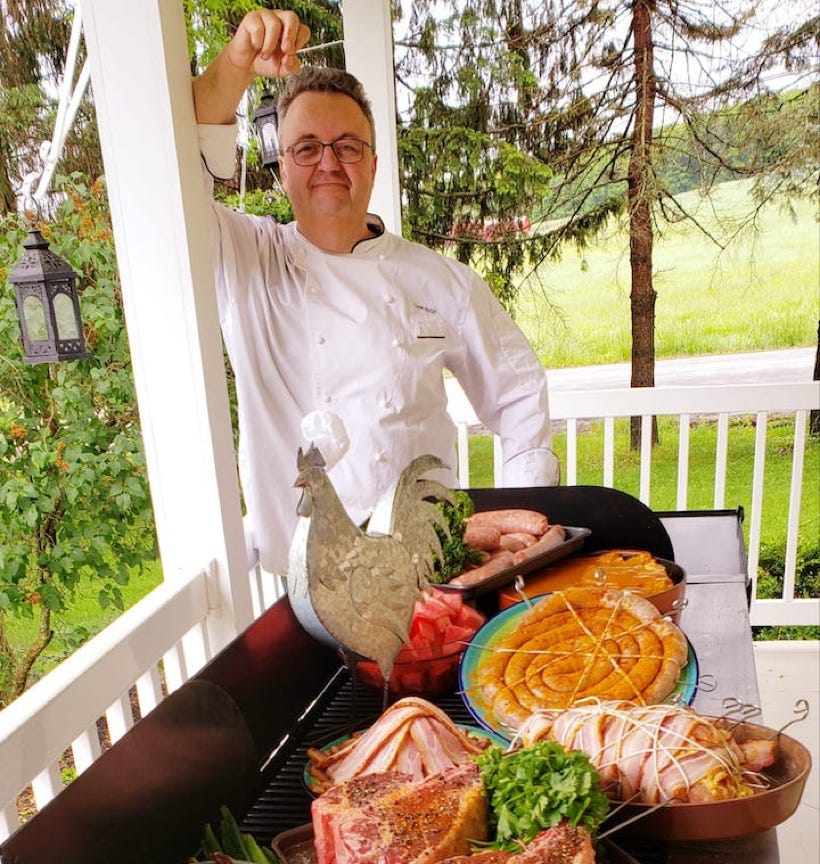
{"x":312,"y":459}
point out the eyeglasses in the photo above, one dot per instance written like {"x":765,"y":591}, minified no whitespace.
{"x":347,"y":150}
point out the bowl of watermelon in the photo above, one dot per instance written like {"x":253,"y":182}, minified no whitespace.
{"x":427,"y":664}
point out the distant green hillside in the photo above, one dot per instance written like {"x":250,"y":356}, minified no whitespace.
{"x":760,"y":292}
{"x":753,"y":136}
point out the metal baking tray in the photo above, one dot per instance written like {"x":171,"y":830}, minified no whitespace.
{"x":574,"y":540}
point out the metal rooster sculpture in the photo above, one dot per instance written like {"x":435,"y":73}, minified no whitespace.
{"x":352,"y":589}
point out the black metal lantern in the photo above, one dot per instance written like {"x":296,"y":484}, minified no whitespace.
{"x":47,"y":304}
{"x":265,"y":121}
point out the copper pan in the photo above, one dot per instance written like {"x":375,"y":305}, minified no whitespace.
{"x":737,"y":817}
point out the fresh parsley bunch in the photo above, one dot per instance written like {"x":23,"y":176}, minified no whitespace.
{"x":534,"y":788}
{"x":456,"y":554}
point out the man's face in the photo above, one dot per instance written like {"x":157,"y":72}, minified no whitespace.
{"x":330,"y":189}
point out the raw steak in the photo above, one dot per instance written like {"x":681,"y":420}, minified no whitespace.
{"x":388,"y":819}
{"x":562,"y":844}
{"x":488,"y":856}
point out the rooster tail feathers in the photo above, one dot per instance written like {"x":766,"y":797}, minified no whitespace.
{"x":421,"y":465}
{"x":430,"y":492}
{"x":413,"y":514}
{"x":428,"y":544}
{"x":418,"y":487}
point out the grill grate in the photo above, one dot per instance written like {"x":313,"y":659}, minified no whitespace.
{"x":285,"y":803}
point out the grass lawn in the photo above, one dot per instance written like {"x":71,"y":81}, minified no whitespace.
{"x":761,"y":292}
{"x":83,"y":619}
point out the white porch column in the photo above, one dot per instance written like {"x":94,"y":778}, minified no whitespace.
{"x":368,"y":37}
{"x":142,"y":92}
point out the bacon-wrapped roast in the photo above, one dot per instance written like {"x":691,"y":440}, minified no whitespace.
{"x":655,"y":753}
{"x":412,"y":736}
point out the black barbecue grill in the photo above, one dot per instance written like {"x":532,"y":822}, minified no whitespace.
{"x":237,"y":733}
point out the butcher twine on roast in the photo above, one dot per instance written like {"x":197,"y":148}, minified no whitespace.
{"x":389,"y":819}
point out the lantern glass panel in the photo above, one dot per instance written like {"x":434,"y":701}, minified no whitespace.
{"x":265,"y":120}
{"x":269,"y":139}
{"x":35,"y":319}
{"x":64,"y":317}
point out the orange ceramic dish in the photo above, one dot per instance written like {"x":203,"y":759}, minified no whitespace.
{"x":628,"y":570}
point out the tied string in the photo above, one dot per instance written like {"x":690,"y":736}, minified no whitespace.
{"x":664,"y":740}
{"x":605,"y":646}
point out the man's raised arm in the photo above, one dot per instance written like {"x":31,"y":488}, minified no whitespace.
{"x":265,"y":44}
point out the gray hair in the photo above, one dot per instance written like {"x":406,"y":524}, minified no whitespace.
{"x":326,"y":79}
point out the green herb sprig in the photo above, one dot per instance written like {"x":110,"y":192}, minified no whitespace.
{"x":456,"y":554}
{"x":535,"y":788}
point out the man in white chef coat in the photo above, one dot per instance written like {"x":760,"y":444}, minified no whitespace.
{"x":337,"y":330}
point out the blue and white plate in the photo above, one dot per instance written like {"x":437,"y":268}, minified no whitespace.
{"x":500,"y":626}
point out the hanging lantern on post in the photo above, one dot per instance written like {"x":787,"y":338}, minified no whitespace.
{"x":48,"y":307}
{"x":265,"y":120}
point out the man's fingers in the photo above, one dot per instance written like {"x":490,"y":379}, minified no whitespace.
{"x":271,"y":31}
{"x":303,"y":36}
{"x":267,"y":41}
{"x":255,"y":30}
{"x":282,"y":33}
{"x":290,"y":27}
{"x":290,"y":62}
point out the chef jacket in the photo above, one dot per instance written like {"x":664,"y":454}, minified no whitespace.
{"x":365,"y":336}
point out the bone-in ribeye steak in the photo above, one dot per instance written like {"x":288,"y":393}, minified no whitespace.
{"x":388,"y":819}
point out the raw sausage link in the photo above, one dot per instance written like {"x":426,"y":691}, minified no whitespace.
{"x":496,"y":564}
{"x":517,"y":541}
{"x":554,"y":537}
{"x":526,"y":539}
{"x":480,"y":537}
{"x":510,"y":521}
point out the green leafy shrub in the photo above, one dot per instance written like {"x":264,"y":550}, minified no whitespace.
{"x":74,"y":502}
{"x":770,"y":573}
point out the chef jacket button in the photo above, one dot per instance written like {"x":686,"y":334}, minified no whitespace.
{"x":396,"y":342}
{"x":379,"y":456}
{"x":320,"y":340}
{"x":328,"y":398}
{"x":389,"y":298}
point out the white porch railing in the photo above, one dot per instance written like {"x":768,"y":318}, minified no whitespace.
{"x":158,"y":644}
{"x":760,"y":401}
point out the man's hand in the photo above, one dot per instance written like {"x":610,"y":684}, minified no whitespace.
{"x":265,"y":43}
